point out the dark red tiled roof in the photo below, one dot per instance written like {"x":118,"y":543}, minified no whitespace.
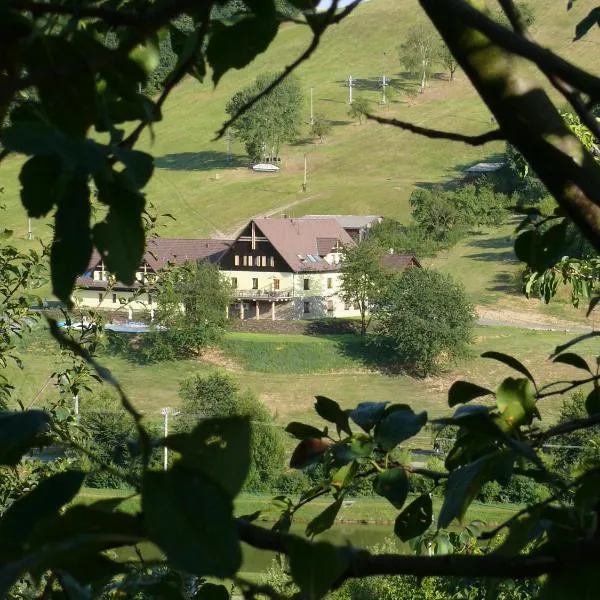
{"x":400,"y":261}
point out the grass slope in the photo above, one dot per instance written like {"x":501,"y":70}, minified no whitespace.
{"x":361,"y":168}
{"x":288,"y":387}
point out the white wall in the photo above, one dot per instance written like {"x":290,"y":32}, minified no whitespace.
{"x":319,"y":295}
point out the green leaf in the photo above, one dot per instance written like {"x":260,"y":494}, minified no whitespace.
{"x":462,"y":392}
{"x":220,"y":448}
{"x":19,"y":432}
{"x":308,"y":452}
{"x":573,"y":360}
{"x":509,"y":361}
{"x":51,"y":494}
{"x":139,"y":166}
{"x":120,"y":238}
{"x":190,"y":519}
{"x":580,"y":338}
{"x":212,"y":591}
{"x":39,"y":179}
{"x":398,"y":426}
{"x":316,"y":566}
{"x":330,"y":411}
{"x":344,"y":476}
{"x":325,"y":520}
{"x":361,"y":446}
{"x":592,"y":402}
{"x":515,"y":399}
{"x":235,"y":46}
{"x":36,"y":137}
{"x":147,"y":54}
{"x":367,"y":414}
{"x":393,"y":485}
{"x":464,"y":484}
{"x":301,"y":431}
{"x":71,"y":247}
{"x":415,"y":519}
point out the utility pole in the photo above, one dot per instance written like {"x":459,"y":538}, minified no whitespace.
{"x":350,"y":83}
{"x":312,"y":116}
{"x":304,"y":183}
{"x":165,"y":414}
{"x":384,"y":83}
{"x":29,"y":231}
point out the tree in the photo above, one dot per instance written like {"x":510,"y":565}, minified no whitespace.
{"x":359,"y":108}
{"x":273,"y":120}
{"x":363,"y":279}
{"x":191,"y":304}
{"x":425,"y":320}
{"x":419,"y":51}
{"x":321,"y":126}
{"x":447,"y":60}
{"x":218,"y":395}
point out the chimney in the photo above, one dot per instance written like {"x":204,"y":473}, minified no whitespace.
{"x":391,"y":251}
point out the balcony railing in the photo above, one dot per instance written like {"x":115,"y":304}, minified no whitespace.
{"x":263,"y":294}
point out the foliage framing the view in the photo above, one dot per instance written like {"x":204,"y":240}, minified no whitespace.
{"x":78,"y":83}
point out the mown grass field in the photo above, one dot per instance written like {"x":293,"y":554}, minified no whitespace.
{"x":267,"y":365}
{"x":359,"y":510}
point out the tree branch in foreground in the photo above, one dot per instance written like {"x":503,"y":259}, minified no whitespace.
{"x":363,"y":564}
{"x":436,"y":134}
{"x":330,"y":18}
{"x":548,"y":62}
{"x":568,"y":427}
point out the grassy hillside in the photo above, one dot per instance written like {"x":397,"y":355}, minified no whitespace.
{"x":359,"y":169}
{"x":365,"y":168}
{"x":328,"y":365}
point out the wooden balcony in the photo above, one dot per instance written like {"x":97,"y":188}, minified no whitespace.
{"x":269,"y":295}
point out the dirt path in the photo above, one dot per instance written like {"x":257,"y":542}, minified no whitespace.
{"x":526,"y":320}
{"x":233,"y":233}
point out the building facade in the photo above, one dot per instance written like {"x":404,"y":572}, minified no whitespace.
{"x":97,"y":289}
{"x":287,"y":269}
{"x":277,"y":268}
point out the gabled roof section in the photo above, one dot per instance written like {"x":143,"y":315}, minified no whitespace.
{"x":302,"y":243}
{"x":160,"y":251}
{"x":399,"y":262}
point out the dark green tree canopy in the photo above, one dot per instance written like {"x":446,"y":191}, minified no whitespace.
{"x":425,"y":319}
{"x":272,"y":121}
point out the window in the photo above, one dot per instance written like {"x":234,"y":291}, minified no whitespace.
{"x":264,"y":261}
{"x":255,"y":283}
{"x":100,"y":297}
{"x":245,"y":261}
{"x":250,"y":261}
{"x":149,"y":298}
{"x":329,"y":283}
{"x":306,"y":307}
{"x":275,"y":284}
{"x":306,"y":283}
{"x":114,"y":298}
{"x":346,"y":305}
{"x":236,"y":260}
{"x":330,"y":306}
{"x":271,"y":261}
{"x":234,"y":283}
{"x":356,"y":306}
